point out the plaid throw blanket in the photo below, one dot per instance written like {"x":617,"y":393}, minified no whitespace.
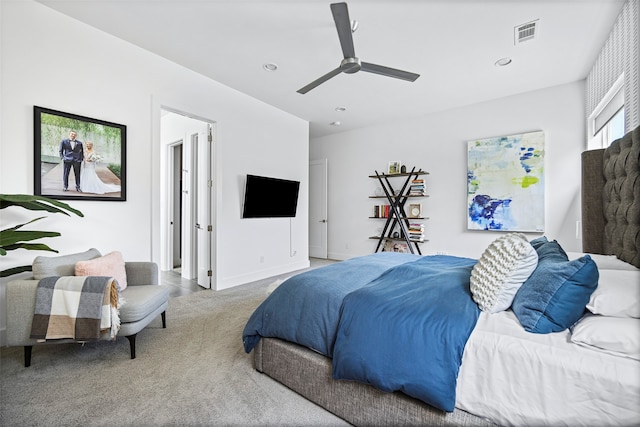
{"x":76,"y":307}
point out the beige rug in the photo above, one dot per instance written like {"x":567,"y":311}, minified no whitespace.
{"x":194,"y":373}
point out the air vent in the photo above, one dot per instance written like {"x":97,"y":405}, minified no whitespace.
{"x":525,"y":32}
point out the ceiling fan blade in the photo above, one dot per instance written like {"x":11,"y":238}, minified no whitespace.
{"x":319,"y":81}
{"x":343,"y":25}
{"x":389,"y":72}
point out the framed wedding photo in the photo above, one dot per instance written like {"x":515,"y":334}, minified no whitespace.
{"x":77,"y":157}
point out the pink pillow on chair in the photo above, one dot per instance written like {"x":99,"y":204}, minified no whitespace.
{"x":111,"y":265}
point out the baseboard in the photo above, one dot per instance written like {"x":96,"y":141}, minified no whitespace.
{"x":339,"y":256}
{"x":243,"y":279}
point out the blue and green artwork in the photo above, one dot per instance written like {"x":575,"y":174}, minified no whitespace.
{"x":505,"y":183}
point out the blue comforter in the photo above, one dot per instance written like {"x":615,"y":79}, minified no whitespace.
{"x":305,"y":309}
{"x":407,"y":329}
{"x":396,"y":321}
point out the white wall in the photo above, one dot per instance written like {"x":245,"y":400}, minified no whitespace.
{"x":438,"y":144}
{"x":51,"y":60}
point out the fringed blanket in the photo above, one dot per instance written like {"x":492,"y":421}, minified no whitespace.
{"x":82,"y":308}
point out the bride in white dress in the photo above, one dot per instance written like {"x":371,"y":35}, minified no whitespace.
{"x":89,"y":180}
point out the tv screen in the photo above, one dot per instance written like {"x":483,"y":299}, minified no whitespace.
{"x":266,"y":197}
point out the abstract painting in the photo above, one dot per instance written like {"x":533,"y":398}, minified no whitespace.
{"x":505,"y":183}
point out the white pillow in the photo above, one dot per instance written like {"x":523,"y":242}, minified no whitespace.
{"x":617,"y":294}
{"x":501,"y":270}
{"x":614,"y":335}
{"x":606,"y":262}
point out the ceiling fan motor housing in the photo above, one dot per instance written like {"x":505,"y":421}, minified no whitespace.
{"x":350,"y":65}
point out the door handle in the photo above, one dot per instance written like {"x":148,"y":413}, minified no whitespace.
{"x":323,"y":220}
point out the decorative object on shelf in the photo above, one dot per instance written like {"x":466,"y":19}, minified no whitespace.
{"x":403,"y":169}
{"x":78,"y":158}
{"x":505,"y":183}
{"x":398,"y":228}
{"x":394,"y":168}
{"x":415,"y":210}
{"x":394,"y":246}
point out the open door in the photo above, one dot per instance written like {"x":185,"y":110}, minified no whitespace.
{"x":204,"y":223}
{"x":318,"y":208}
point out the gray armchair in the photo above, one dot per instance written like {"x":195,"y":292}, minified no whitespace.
{"x":144,"y":299}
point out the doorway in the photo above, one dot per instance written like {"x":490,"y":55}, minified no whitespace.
{"x":187,"y":238}
{"x":318,"y":208}
{"x":176,"y":218}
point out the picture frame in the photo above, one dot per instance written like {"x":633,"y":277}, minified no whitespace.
{"x":394,"y":168}
{"x":99,"y":160}
{"x":415,"y":210}
{"x":506,"y":183}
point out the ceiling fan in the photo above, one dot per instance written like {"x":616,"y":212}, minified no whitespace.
{"x":351,"y":64}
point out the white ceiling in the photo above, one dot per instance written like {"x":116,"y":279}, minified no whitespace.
{"x":452,"y":44}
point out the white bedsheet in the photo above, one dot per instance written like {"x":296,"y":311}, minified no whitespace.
{"x":514,"y":377}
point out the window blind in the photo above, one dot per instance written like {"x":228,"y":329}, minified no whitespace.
{"x":619,"y":55}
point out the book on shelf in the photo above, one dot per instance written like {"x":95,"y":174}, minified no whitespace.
{"x":381,"y":211}
{"x":417,"y":187}
{"x":416,"y":191}
{"x":416,"y":232}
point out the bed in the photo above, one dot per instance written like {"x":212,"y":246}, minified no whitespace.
{"x":539,"y":336}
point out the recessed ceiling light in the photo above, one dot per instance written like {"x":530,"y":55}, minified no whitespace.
{"x":270,"y":66}
{"x":502,"y":62}
{"x":335,"y":123}
{"x":341,"y":109}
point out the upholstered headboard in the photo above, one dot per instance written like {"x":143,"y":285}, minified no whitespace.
{"x":611,"y":199}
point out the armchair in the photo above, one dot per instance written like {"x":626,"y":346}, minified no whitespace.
{"x":144,"y":299}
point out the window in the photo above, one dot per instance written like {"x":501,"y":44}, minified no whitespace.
{"x":612,"y":130}
{"x":606,"y":123}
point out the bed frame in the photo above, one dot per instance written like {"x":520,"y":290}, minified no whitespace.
{"x":611,"y":199}
{"x":610,"y":226}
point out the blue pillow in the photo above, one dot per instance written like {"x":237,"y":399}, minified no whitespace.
{"x":555,"y":295}
{"x":536,"y":243}
{"x":551,"y":251}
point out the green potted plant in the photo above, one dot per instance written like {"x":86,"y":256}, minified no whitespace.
{"x":14,"y":238}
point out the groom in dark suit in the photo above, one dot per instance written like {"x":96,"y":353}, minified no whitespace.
{"x":72,"y":155}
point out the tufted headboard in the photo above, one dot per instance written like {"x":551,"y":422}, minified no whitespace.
{"x":611,"y":199}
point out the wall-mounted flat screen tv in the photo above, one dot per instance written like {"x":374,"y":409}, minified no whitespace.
{"x":266,"y":197}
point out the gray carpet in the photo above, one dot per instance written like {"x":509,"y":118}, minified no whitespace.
{"x":195,"y":372}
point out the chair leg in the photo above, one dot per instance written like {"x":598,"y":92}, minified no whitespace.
{"x":164,"y":320}
{"x":132,"y":343}
{"x":27,"y":355}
